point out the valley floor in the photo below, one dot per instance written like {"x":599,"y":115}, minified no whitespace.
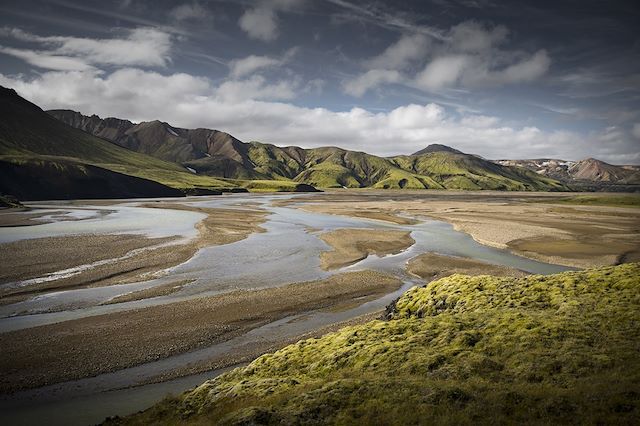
{"x":540,"y":226}
{"x":140,"y":325}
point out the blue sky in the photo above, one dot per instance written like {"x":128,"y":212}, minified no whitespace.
{"x":503,"y":80}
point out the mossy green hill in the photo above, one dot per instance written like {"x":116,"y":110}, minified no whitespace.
{"x":220,"y":155}
{"x":555,"y":349}
{"x":37,"y":150}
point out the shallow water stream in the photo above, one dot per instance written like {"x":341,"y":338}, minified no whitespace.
{"x":287,"y":252}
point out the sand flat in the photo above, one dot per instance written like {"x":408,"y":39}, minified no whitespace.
{"x":433,"y":266}
{"x":352,"y":245}
{"x":591,"y":235}
{"x":79,"y":348}
{"x":41,"y":256}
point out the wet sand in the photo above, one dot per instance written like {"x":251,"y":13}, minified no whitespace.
{"x":352,"y":245}
{"x":373,"y":213}
{"x":222,"y":225}
{"x":433,"y":266}
{"x":528,"y":224}
{"x":38,"y":257}
{"x":74,"y":349}
{"x":33,"y":258}
{"x":20,"y":216}
{"x":157,"y":291}
{"x":248,"y":353}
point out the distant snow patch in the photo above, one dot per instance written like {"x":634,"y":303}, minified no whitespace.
{"x":192,"y":170}
{"x":170,"y":130}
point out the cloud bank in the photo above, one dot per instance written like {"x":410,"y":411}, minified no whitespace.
{"x":250,"y":110}
{"x":139,"y":47}
{"x":471,"y":55}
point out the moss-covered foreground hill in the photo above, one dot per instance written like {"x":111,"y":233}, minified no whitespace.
{"x":540,"y":349}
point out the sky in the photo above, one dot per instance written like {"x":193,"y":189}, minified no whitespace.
{"x":504,"y":80}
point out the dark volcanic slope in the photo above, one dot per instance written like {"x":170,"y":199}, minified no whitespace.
{"x":60,"y":180}
{"x":213,"y":149}
{"x":45,"y":158}
{"x":215,"y":153}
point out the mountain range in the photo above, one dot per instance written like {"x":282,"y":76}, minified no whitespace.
{"x":218,"y":154}
{"x":65,"y":154}
{"x":585,"y":174}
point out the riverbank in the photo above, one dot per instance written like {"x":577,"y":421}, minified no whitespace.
{"x":433,"y":266}
{"x":85,"y":347}
{"x":195,"y":318}
{"x":103,"y":259}
{"x":558,"y":349}
{"x":529,"y":225}
{"x":352,"y":245}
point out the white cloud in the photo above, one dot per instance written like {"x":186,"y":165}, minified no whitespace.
{"x":188,"y":11}
{"x":373,"y":78}
{"x":252,"y":63}
{"x":471,"y":36}
{"x":416,"y":116}
{"x":140,"y":47}
{"x":240,"y":109}
{"x":46,"y":60}
{"x":442,"y":72}
{"x":257,"y":87}
{"x":470,"y":55}
{"x":400,"y":54}
{"x":636,"y":130}
{"x":116,"y":94}
{"x":261,"y":21}
{"x":479,"y":121}
{"x":526,"y":70}
{"x":473,"y":71}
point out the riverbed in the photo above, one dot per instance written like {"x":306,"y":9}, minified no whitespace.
{"x":287,"y":252}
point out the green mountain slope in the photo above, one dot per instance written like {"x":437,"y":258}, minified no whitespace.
{"x":208,"y":151}
{"x":218,"y":154}
{"x":455,"y":170}
{"x":29,"y":135}
{"x":558,"y":349}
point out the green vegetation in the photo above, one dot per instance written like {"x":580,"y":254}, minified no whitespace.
{"x":332,"y":167}
{"x":461,"y":171}
{"x":269,"y":185}
{"x":462,"y":350}
{"x":629,"y":200}
{"x":163,"y":154}
{"x":29,"y":135}
{"x":218,"y":154}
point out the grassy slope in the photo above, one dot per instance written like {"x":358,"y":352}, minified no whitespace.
{"x":630,"y":200}
{"x":29,"y":134}
{"x":268,"y":185}
{"x":331,"y":167}
{"x":464,"y":350}
{"x":462,"y":171}
{"x":334,"y":167}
